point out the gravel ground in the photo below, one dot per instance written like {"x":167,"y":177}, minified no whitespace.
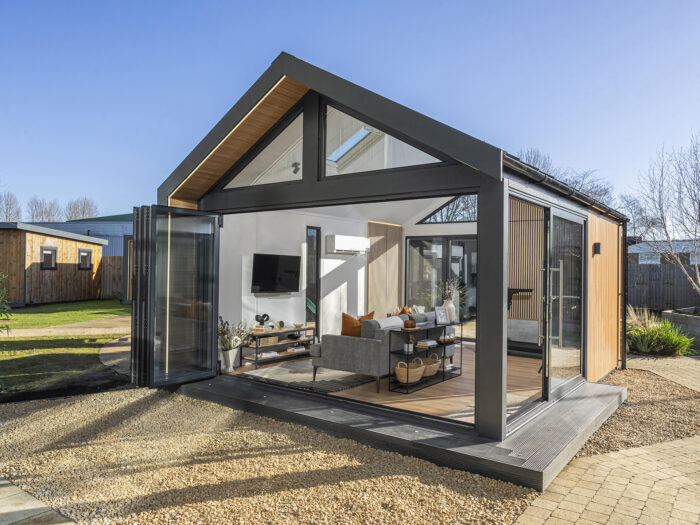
{"x":656,"y":410}
{"x":145,"y":456}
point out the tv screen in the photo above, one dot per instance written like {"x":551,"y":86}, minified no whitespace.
{"x":275,"y":273}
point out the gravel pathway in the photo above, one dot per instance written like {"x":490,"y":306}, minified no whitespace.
{"x":147,"y":456}
{"x":656,"y":410}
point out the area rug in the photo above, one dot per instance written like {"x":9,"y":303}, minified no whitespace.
{"x":299,"y":374}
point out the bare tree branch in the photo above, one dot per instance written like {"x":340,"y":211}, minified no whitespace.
{"x":81,"y":208}
{"x":10,"y":210}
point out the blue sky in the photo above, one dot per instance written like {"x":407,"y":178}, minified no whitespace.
{"x":106,"y":98}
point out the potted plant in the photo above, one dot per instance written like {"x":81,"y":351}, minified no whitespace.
{"x":231,"y":340}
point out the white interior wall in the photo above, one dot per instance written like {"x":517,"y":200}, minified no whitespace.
{"x":284,"y":233}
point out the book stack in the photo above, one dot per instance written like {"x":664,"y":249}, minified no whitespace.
{"x":426,"y":343}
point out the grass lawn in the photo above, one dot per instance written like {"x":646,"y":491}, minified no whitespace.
{"x":65,"y":313}
{"x":35,"y":364}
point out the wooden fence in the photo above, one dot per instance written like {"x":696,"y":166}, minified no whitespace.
{"x":659,"y":287}
{"x":111,"y":277}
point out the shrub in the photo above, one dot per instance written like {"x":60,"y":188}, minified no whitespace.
{"x":4,"y":304}
{"x":662,"y":338}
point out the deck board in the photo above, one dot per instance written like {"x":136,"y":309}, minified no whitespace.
{"x":532,"y":455}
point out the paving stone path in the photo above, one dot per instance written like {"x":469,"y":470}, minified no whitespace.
{"x":653,"y":484}
{"x":20,"y":508}
{"x":682,"y":370}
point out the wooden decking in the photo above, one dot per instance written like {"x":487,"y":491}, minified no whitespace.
{"x":532,"y":455}
{"x":454,"y":399}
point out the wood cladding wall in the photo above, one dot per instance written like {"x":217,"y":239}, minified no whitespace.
{"x":525,"y":257}
{"x":67,"y":282}
{"x":12,"y":263}
{"x":384,"y":268}
{"x":605,"y":298}
{"x":273,"y":106}
{"x":112,"y":276}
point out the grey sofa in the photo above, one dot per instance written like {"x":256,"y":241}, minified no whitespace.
{"x":369,"y":354}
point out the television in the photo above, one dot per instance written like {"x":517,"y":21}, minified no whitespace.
{"x":275,"y":273}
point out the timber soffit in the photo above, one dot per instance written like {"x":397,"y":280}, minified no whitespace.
{"x":281,"y":86}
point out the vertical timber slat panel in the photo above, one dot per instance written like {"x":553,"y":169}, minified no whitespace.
{"x":12,"y":263}
{"x":525,"y":252}
{"x":604,"y":297}
{"x":112,"y":276}
{"x":384,"y":261}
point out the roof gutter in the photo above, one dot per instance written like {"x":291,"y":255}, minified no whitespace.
{"x":541,"y":177}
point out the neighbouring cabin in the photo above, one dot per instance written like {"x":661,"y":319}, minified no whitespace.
{"x":49,"y":266}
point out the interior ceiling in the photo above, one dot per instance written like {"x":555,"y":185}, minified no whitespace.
{"x":393,"y":212}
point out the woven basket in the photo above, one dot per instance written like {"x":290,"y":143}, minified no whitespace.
{"x":432,"y":365}
{"x":410,"y":373}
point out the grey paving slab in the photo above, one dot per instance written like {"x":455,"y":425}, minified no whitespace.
{"x":19,"y":507}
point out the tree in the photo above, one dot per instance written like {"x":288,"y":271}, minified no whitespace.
{"x":461,"y":209}
{"x":640,"y":222}
{"x":584,"y":181}
{"x":10,"y":210}
{"x":41,"y":210}
{"x":80,"y":208}
{"x":670,"y":195}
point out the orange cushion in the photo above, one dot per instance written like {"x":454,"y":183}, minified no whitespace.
{"x":405,"y":310}
{"x":352,"y":326}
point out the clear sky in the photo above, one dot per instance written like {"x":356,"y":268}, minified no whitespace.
{"x":105,"y":99}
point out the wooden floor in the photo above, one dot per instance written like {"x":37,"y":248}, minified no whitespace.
{"x":454,"y":398}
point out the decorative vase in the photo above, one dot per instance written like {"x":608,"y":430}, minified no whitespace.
{"x":451,"y":310}
{"x":230,"y":358}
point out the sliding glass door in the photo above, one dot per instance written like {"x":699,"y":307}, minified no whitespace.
{"x":566,"y":289}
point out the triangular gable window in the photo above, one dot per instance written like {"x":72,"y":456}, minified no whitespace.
{"x":459,"y":209}
{"x":352,"y":146}
{"x":279,"y":161}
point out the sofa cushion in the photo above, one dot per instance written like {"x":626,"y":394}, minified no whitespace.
{"x":419,"y":318}
{"x":405,"y":310}
{"x":390,"y":322}
{"x":352,"y":326}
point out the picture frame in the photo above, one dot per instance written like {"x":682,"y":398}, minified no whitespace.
{"x":441,"y":315}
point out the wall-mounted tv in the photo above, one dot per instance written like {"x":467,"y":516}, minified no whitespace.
{"x":275,"y":273}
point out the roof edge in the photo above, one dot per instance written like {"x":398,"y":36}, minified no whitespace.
{"x":33,"y":228}
{"x":540,"y":177}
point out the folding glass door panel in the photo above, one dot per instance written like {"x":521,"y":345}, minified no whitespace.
{"x":566,"y":256}
{"x":175,"y":295}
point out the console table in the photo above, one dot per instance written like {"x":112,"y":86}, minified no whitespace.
{"x":284,"y":346}
{"x":444,"y":372}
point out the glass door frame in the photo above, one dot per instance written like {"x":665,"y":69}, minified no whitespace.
{"x":144,"y":297}
{"x":567,"y":384}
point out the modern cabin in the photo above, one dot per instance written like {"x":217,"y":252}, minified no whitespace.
{"x":45,"y":265}
{"x":408,"y":285}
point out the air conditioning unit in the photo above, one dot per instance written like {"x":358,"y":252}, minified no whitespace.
{"x":346,"y":244}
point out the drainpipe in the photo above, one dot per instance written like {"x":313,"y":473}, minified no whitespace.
{"x":624,"y":296}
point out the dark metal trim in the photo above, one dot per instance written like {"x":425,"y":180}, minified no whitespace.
{"x":623,"y":313}
{"x":540,"y":177}
{"x":53,"y":249}
{"x":421,"y":129}
{"x":319,"y":247}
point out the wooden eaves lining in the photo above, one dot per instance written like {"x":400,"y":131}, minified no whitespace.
{"x":273,"y":106}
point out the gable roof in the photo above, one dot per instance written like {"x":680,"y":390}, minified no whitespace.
{"x":42,"y":230}
{"x":275,"y":93}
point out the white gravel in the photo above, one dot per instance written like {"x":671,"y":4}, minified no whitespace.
{"x":146,"y":456}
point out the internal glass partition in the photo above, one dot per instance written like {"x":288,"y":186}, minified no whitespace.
{"x":353,"y":146}
{"x":185,"y":296}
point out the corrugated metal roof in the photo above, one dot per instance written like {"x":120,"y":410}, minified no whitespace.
{"x":679,"y":246}
{"x":112,"y":231}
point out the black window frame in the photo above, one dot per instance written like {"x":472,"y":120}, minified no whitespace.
{"x":80,"y":252}
{"x":52,"y":249}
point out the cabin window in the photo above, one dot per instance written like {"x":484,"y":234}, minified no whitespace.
{"x":84,"y":259}
{"x":353,"y":146}
{"x":48,"y":258}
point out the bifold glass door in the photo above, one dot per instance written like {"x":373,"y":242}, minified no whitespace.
{"x":176,"y":256}
{"x":566,"y":256}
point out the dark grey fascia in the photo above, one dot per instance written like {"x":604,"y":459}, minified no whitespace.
{"x":394,"y":117}
{"x":399,"y":184}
